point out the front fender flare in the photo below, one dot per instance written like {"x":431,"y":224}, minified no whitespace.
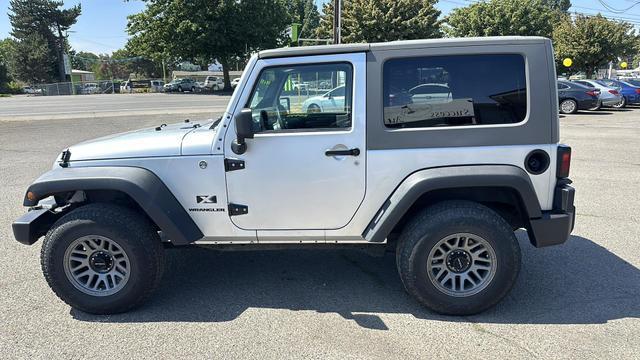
{"x":143,"y":186}
{"x":424,"y":181}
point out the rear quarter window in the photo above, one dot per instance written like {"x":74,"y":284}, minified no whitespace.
{"x":456,"y":90}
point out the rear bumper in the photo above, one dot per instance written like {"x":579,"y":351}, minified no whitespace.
{"x":587,"y":104}
{"x":611,"y":101}
{"x":633,"y":99}
{"x":555,"y":226}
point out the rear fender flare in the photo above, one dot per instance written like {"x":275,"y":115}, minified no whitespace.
{"x":427,"y":180}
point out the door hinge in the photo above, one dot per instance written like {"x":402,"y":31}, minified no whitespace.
{"x":233,"y":164}
{"x":235,"y":209}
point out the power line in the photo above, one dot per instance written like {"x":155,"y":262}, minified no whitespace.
{"x":618,"y":11}
{"x":635,"y":21}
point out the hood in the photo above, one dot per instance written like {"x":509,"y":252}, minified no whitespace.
{"x":166,"y":141}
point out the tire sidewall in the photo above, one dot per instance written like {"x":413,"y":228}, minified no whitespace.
{"x":53,"y":259}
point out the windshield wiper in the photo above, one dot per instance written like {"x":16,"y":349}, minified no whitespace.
{"x":215,"y":123}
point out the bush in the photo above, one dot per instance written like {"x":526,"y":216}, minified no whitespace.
{"x":12,"y":87}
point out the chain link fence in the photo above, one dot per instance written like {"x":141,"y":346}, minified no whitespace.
{"x":96,"y":87}
{"x":78,"y":88}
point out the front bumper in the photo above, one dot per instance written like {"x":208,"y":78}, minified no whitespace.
{"x":555,"y":226}
{"x":34,"y":224}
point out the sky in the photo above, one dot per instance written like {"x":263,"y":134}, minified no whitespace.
{"x":102,"y":26}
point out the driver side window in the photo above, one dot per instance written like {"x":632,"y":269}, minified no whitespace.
{"x":303,"y":98}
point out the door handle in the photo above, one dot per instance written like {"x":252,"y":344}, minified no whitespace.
{"x":349,"y":152}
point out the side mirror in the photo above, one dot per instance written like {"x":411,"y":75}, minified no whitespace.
{"x":285,"y":102}
{"x":244,"y":130}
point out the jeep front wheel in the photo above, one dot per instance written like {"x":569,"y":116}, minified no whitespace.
{"x":458,"y":257}
{"x":102,"y":259}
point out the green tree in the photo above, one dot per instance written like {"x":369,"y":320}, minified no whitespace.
{"x":305,"y":12}
{"x":32,"y":61}
{"x":505,"y":17}
{"x":83,"y":60}
{"x":38,"y":27}
{"x":383,"y":20}
{"x":202,"y":31}
{"x":5,"y":55}
{"x":592,"y":42}
{"x":562,"y":5}
{"x":127,"y":62}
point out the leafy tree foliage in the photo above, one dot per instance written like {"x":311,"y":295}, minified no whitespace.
{"x":38,"y":27}
{"x":591,"y":42}
{"x":5,"y":55}
{"x":505,"y":17}
{"x":83,"y":60}
{"x":562,"y":5}
{"x":305,"y":12}
{"x":310,"y":20}
{"x":383,"y":20}
{"x":203,"y":30}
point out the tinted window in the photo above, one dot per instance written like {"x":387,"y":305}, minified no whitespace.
{"x":295,"y":98}
{"x":584,"y":83}
{"x":634,"y":82}
{"x":454,"y":91}
{"x":562,"y":86}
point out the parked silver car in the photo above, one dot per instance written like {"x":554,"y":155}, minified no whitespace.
{"x":609,"y":96}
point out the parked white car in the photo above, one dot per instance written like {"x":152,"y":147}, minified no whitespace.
{"x":157,"y":86}
{"x":609,"y":96}
{"x":90,"y":88}
{"x":331,"y":101}
{"x":430,"y":93}
{"x":214,"y":83}
{"x":31,"y":91}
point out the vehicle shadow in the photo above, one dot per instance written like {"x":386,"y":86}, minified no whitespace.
{"x":579,"y":282}
{"x":595,"y":112}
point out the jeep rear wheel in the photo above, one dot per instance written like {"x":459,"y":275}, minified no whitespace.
{"x":458,"y":257}
{"x":102,"y":259}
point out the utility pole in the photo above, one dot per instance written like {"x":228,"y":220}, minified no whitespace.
{"x":336,"y":20}
{"x":60,"y":52}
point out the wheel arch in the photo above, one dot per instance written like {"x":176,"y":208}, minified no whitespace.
{"x":102,"y":184}
{"x":506,"y":189}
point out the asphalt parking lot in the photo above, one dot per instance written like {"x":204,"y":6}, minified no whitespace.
{"x":577,"y":300}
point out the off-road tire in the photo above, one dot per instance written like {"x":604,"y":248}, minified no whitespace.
{"x":428,"y":227}
{"x":132,"y":232}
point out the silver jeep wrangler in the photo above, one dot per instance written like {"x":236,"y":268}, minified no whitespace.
{"x":436,"y":149}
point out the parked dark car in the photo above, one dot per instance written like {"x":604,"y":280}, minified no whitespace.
{"x":573,"y":97}
{"x":181,"y":85}
{"x":630,"y":92}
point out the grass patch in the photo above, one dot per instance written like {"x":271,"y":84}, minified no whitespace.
{"x":5,"y":95}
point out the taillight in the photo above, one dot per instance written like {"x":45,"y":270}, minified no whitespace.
{"x":593,"y":93}
{"x":638,"y":91}
{"x":564,"y":161}
{"x":614,"y":92}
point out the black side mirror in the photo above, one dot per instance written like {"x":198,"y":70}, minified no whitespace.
{"x":244,"y":130}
